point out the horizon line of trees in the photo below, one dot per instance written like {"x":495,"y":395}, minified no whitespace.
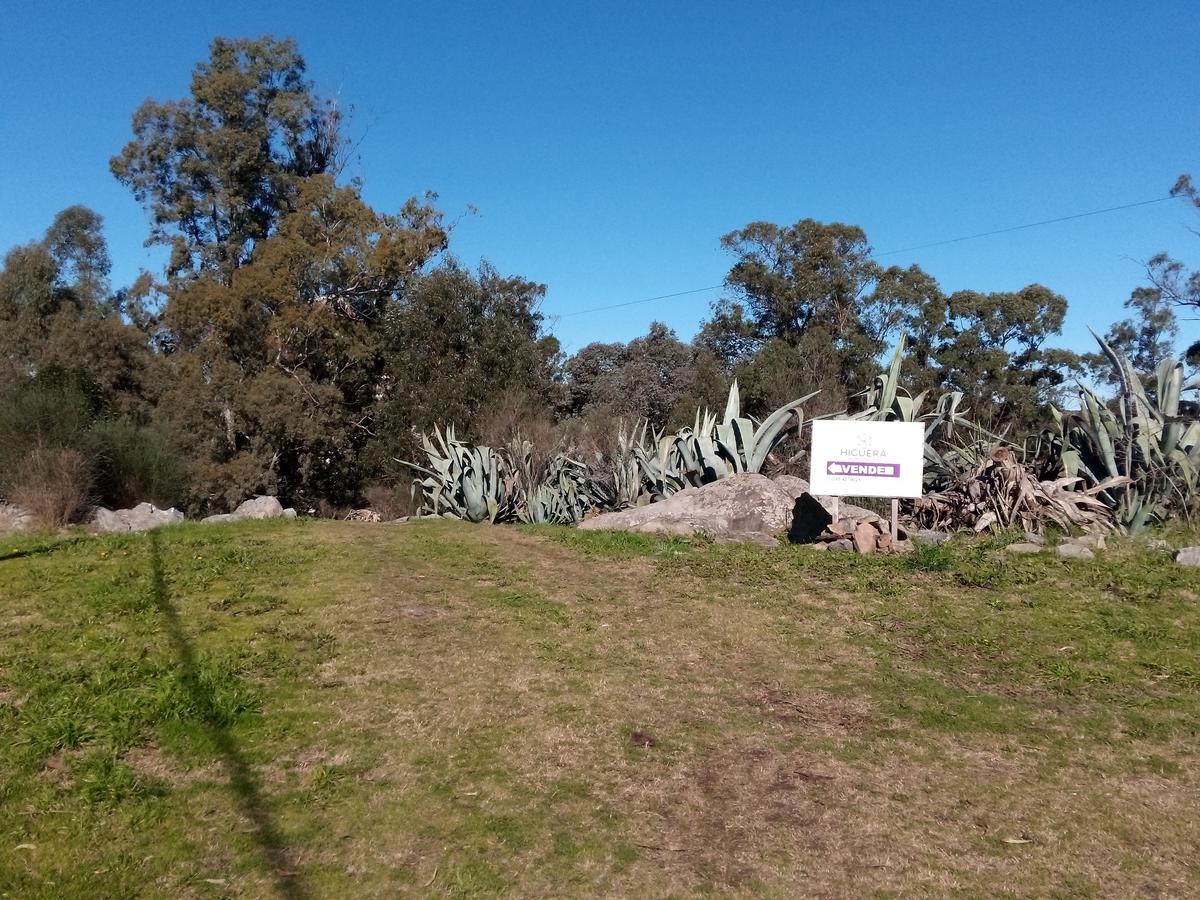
{"x":298,"y":340}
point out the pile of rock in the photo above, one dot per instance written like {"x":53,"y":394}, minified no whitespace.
{"x":260,"y":507}
{"x":828,"y":524}
{"x":756,"y":509}
{"x":868,"y":534}
{"x":146,"y":516}
{"x":1082,"y":547}
{"x":142,"y":517}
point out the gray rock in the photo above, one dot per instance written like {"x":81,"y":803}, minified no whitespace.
{"x":1039,"y":539}
{"x":929,"y":537}
{"x":14,"y":518}
{"x":1188,"y":556}
{"x":1024,"y":547}
{"x":842,"y":544}
{"x":737,"y":505}
{"x":1074,"y":551}
{"x":260,"y":507}
{"x":289,"y":513}
{"x":792,"y":485}
{"x":1092,"y":540}
{"x":219,"y":518}
{"x":142,"y":517}
{"x":107,"y":521}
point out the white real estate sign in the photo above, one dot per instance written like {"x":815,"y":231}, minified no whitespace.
{"x":867,"y":459}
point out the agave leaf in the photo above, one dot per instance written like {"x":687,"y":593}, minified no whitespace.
{"x":769,"y":431}
{"x":733,"y":406}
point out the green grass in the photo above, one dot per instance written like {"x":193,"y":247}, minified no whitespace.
{"x":323,"y":709}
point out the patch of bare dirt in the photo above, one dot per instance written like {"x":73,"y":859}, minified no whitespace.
{"x":812,"y":709}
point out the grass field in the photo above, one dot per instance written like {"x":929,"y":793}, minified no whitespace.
{"x":321,"y":709}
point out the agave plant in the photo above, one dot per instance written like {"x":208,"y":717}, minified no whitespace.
{"x":954,"y":444}
{"x":1144,"y":440}
{"x":661,"y":465}
{"x":736,"y":444}
{"x":562,"y":496}
{"x":464,"y":480}
{"x":628,"y":487}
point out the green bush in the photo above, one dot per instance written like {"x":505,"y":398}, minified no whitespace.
{"x":133,"y":463}
{"x":45,"y":416}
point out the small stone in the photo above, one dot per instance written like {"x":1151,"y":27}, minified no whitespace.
{"x":1032,"y":538}
{"x":817,"y":546}
{"x":843,"y":544}
{"x":1188,"y":556}
{"x":1024,"y":547}
{"x":930,"y":536}
{"x":1092,"y":541}
{"x":902,"y":547}
{"x":289,"y":513}
{"x":1074,"y":551}
{"x":218,"y":519}
{"x":865,"y":537}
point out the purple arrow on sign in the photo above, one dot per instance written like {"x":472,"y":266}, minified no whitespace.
{"x":871,"y":470}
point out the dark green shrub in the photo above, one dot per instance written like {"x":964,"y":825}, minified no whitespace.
{"x":134,"y":463}
{"x":113,"y":461}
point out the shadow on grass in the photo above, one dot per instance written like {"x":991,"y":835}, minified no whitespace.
{"x":49,"y":546}
{"x":241,"y":778}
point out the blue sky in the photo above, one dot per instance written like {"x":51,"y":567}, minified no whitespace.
{"x":608,"y":146}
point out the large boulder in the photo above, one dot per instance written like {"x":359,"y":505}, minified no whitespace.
{"x":259,"y":508}
{"x":14,"y":518}
{"x":142,"y":517}
{"x":741,"y":507}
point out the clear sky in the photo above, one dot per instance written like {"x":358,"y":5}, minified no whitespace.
{"x":608,"y":146}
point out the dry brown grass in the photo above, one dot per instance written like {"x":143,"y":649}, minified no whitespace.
{"x":54,"y":484}
{"x":734,"y":754}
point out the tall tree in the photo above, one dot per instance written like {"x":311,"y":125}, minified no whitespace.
{"x":218,"y":169}
{"x":810,"y":283}
{"x":57,"y":312}
{"x":992,"y":347}
{"x":655,"y":376}
{"x":456,"y":346}
{"x":277,"y":370}
{"x":1171,"y":282}
{"x":1147,"y":337}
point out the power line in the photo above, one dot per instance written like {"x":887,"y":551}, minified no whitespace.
{"x":581,"y":312}
{"x":983,"y":234}
{"x":966,"y":237}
